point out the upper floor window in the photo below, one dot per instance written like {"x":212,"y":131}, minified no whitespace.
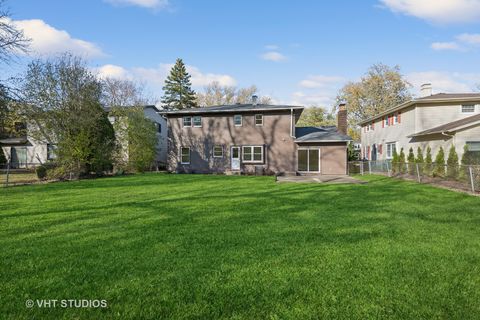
{"x":386,"y":121}
{"x":468,"y":108}
{"x":395,"y":118}
{"x":187,"y":121}
{"x":159,"y":127}
{"x":197,"y":121}
{"x":259,"y":119}
{"x":237,"y":119}
{"x":369,"y":127}
{"x":473,"y":146}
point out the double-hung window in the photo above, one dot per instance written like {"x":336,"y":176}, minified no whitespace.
{"x":187,"y":121}
{"x":468,"y":108}
{"x":237,"y":120}
{"x":185,"y":155}
{"x":197,"y":121}
{"x":51,"y":151}
{"x":252,"y":154}
{"x":259,"y":119}
{"x":218,"y":151}
{"x":391,"y":147}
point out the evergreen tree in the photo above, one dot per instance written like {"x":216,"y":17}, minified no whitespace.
{"x":428,"y":161}
{"x":452,"y":163}
{"x":440,"y":163}
{"x":411,"y":161}
{"x":178,"y":91}
{"x":395,"y":165}
{"x":401,"y":161}
{"x":419,"y":158}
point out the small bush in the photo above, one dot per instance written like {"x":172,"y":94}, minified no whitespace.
{"x":452,"y":163}
{"x":428,"y":162}
{"x":411,"y":161}
{"x":41,"y":172}
{"x":439,"y":164}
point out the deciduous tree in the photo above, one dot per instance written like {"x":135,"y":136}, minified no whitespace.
{"x":215,"y":94}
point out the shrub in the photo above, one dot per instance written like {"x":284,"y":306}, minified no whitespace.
{"x":401,"y":161}
{"x":428,"y":162}
{"x":411,"y":161}
{"x":419,"y":158}
{"x":440,"y":164}
{"x":395,"y":162}
{"x":41,"y":172}
{"x":452,"y":163}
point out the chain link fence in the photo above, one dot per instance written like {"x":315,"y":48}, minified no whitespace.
{"x":11,"y":175}
{"x":461,"y":177}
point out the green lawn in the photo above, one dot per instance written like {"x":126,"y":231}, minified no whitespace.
{"x":203,"y":247}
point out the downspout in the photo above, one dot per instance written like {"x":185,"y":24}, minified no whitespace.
{"x":292,"y":132}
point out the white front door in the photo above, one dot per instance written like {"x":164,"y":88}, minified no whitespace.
{"x":235,"y":158}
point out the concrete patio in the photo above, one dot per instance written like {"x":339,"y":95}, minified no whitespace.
{"x":320,"y":179}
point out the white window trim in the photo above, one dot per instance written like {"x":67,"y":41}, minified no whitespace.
{"x":255,"y":119}
{"x":252,"y":153}
{"x":189,"y":155}
{"x":184,"y":122}
{"x":391,"y":149}
{"x":395,"y":118}
{"x":193,"y":121}
{"x":217,"y":146}
{"x":468,"y":105}
{"x":241,"y":120}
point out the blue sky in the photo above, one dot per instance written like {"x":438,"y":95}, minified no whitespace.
{"x":297,"y":52}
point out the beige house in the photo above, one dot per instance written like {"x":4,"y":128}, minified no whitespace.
{"x":253,"y":138}
{"x":438,"y":120}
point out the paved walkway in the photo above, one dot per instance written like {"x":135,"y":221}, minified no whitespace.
{"x":320,"y":179}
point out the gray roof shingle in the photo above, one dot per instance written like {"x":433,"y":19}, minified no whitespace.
{"x":232,"y":108}
{"x":320,"y":134}
{"x":451,"y":126}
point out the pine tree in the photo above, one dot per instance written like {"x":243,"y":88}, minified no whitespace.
{"x":178,"y":88}
{"x":452,"y":163}
{"x":440,"y":163}
{"x":428,"y":161}
{"x":401,"y":160}
{"x":411,"y":161}
{"x":395,"y":165}
{"x":419,"y":158}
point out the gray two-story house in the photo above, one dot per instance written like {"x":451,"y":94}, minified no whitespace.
{"x":253,"y":138}
{"x":438,"y":120}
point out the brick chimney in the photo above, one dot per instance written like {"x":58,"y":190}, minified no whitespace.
{"x":342,"y":118}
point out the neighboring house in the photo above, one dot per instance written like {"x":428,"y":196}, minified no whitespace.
{"x":439,"y":120}
{"x":253,"y":138}
{"x":151,"y":112}
{"x":24,"y":151}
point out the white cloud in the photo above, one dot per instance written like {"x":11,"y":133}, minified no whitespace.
{"x":445,"y":46}
{"x":151,"y":4}
{"x":320,"y":81}
{"x":49,"y":40}
{"x":313,"y":99}
{"x":446,"y":82}
{"x":155,"y":77}
{"x":113,"y":71}
{"x":437,"y":11}
{"x":470,"y":38}
{"x":273,"y":56}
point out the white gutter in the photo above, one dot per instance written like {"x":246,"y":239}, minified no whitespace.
{"x":292,"y":133}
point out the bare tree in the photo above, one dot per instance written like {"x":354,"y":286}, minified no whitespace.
{"x":123,"y":93}
{"x":12,"y":40}
{"x":216,"y":94}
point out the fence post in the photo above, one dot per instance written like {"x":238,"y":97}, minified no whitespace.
{"x":8,"y":173}
{"x":369,"y":167}
{"x":472,"y":182}
{"x":418,"y":173}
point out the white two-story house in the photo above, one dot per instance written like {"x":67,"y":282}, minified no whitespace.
{"x":438,"y":120}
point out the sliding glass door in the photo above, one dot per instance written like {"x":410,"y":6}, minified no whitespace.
{"x":308,"y":160}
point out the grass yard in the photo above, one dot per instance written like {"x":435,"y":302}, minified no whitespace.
{"x":204,"y":247}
